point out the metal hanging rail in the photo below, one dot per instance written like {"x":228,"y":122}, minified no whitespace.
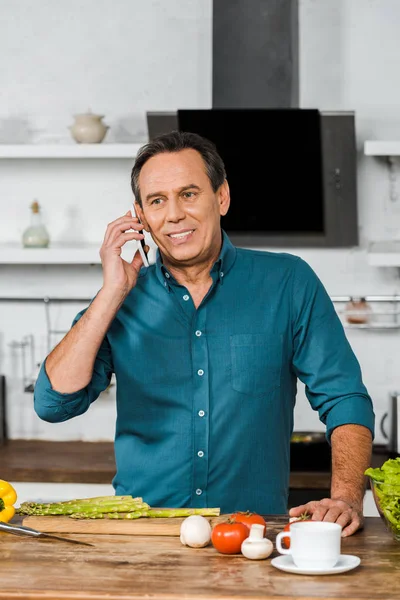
{"x":394,"y":298}
{"x":46,"y":299}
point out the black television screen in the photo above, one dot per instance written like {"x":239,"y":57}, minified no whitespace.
{"x":273,"y":164}
{"x":291,"y":172}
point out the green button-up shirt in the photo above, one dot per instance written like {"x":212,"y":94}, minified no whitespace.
{"x":205,"y":396}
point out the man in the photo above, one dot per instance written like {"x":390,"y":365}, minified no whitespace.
{"x":206,"y":346}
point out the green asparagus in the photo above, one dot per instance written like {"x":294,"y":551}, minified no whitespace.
{"x":102,"y":504}
{"x":109,"y":507}
{"x":182,"y":512}
{"x":151,"y":513}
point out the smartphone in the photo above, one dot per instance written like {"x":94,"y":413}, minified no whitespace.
{"x":142,"y":243}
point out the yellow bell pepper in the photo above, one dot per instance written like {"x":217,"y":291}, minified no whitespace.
{"x":8,"y":497}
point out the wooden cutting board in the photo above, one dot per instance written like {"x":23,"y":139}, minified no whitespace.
{"x":143,"y":526}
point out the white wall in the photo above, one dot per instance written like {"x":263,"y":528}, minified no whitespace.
{"x":125,"y":57}
{"x":119,"y":58}
{"x":349,"y":57}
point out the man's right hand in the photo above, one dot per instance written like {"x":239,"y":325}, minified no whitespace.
{"x":120,"y":276}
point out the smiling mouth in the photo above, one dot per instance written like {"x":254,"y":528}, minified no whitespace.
{"x":180,"y":236}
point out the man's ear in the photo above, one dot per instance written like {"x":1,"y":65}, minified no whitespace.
{"x":140,"y":214}
{"x":224,"y":198}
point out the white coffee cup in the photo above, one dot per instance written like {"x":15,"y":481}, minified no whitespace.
{"x":313,"y":544}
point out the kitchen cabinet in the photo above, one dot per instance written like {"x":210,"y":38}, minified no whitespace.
{"x":119,"y":567}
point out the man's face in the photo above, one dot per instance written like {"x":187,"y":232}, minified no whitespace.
{"x":180,"y":209}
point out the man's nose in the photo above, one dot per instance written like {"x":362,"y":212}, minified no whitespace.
{"x":175,"y":211}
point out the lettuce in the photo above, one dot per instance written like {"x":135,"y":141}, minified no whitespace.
{"x":386,"y":482}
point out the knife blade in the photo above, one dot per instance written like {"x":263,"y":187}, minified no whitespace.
{"x":28,"y":531}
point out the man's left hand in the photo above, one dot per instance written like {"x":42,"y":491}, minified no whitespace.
{"x":350,"y":517}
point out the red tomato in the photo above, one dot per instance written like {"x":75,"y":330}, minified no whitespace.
{"x":227,"y":537}
{"x":286,"y":540}
{"x":248,"y":518}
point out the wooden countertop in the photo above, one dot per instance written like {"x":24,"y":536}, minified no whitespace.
{"x":93,"y":462}
{"x":122,"y":567}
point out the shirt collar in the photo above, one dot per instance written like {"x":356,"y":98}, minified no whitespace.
{"x":219,"y":270}
{"x":226,"y":258}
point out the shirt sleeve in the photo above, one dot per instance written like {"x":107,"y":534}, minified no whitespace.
{"x":54,"y":407}
{"x":323,"y":358}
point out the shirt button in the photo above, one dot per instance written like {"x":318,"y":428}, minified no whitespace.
{"x":222,"y":274}
{"x":199,"y":492}
{"x":201,"y":413}
{"x":198,"y":333}
{"x":167,"y":275}
{"x":200,"y":372}
{"x":186,"y":297}
{"x":200,"y":453}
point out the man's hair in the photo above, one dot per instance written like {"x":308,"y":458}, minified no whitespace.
{"x":176,"y":141}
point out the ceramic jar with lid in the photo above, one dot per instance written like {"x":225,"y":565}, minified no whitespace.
{"x":88,"y":128}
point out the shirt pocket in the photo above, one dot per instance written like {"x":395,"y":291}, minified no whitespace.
{"x":256,"y":363}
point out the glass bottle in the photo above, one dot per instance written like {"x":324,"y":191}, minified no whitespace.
{"x":36,"y":235}
{"x":358,"y":311}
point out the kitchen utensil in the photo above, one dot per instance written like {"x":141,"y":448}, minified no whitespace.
{"x":88,"y":128}
{"x":345,"y":563}
{"x":392,"y":432}
{"x":36,"y":235}
{"x":313,"y":544}
{"x":22,"y":530}
{"x":357,"y":311}
{"x":143,"y":526}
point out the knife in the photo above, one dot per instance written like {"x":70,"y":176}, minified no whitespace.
{"x":21,"y":530}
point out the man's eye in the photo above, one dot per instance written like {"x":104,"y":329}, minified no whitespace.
{"x":188,"y":194}
{"x":156,"y":201}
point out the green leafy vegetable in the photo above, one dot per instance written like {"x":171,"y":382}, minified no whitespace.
{"x":386,"y":488}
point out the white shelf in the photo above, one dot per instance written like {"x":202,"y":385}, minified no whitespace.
{"x":61,"y":254}
{"x":376,"y":326}
{"x":14,"y":254}
{"x":382,"y":148}
{"x":72,"y":150}
{"x":384,"y":254}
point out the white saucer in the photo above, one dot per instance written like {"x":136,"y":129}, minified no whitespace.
{"x":346,"y":562}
